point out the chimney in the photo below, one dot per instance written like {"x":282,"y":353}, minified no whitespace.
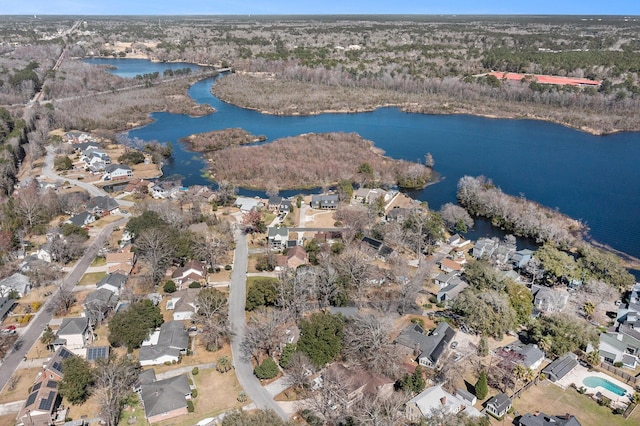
{"x":536,"y":414}
{"x":443,"y":400}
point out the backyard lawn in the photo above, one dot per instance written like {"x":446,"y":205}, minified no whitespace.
{"x":554,"y":400}
{"x":92,"y":278}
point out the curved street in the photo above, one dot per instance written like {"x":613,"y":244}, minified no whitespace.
{"x":237,"y":293}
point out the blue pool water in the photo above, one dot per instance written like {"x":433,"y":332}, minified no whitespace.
{"x":593,"y":382}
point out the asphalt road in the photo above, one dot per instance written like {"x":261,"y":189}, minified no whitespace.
{"x":48,"y":172}
{"x":38,"y":323}
{"x":237,"y":293}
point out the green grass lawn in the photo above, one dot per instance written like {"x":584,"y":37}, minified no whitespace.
{"x":92,"y":278}
{"x":251,"y":280}
{"x":99,"y":261}
{"x":553,"y":400}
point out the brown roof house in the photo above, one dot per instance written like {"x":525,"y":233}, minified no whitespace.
{"x":295,"y":257}
{"x":121,"y":262}
{"x":192,"y":271}
{"x":41,"y":408}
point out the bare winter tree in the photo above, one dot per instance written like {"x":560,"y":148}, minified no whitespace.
{"x":29,"y":206}
{"x":299,"y":369}
{"x":62,"y":300}
{"x":456,"y":217}
{"x":212,"y":314}
{"x":114,"y":379}
{"x":265,"y":332}
{"x":154,"y":248}
{"x":353,"y":264}
{"x":381,"y":410}
{"x":328,"y":401}
{"x":367,"y":342}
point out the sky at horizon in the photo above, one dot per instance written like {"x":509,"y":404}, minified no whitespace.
{"x":289,"y":7}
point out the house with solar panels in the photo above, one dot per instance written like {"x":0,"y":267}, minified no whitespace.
{"x":42,"y":406}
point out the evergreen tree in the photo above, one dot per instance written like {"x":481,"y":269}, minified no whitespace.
{"x":483,"y":347}
{"x":78,"y":377}
{"x":417,"y":380}
{"x":481,"y":387}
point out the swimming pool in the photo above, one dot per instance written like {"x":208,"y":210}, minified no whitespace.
{"x":593,"y":381}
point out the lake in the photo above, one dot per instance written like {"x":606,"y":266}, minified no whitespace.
{"x":592,"y":178}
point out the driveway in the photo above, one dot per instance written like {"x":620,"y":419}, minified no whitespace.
{"x":237,"y":293}
{"x":44,"y":316}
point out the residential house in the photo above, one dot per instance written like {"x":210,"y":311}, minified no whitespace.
{"x":98,"y":303}
{"x":448,"y":265}
{"x":398,"y":214}
{"x":114,"y":282}
{"x":192,"y":271}
{"x":277,"y":237}
{"x":443,"y":280}
{"x":79,"y":148}
{"x":45,"y":252}
{"x":435,"y":399}
{"x":357,"y":383}
{"x":484,"y":248}
{"x":286,"y":206}
{"x":498,"y":405}
{"x":41,"y":405}
{"x":53,"y":370}
{"x":103,"y":205}
{"x":95,"y":160}
{"x":428,"y":348}
{"x":520,"y":258}
{"x":137,"y":186}
{"x":6,"y":305}
{"x":451,"y":291}
{"x":121,"y":262}
{"x":621,"y":347}
{"x":503,"y":254}
{"x":295,"y":257}
{"x":117,"y":172}
{"x":370,"y":196}
{"x":165,"y":399}
{"x":246,"y":204}
{"x":529,"y":355}
{"x":76,"y":137}
{"x":74,"y":334}
{"x":18,"y":283}
{"x":184,"y":304}
{"x":549,"y":300}
{"x":457,"y":241}
{"x":82,"y":219}
{"x":165,"y":189}
{"x":542,"y":419}
{"x":273,"y":204}
{"x":164,"y":345}
{"x":561,"y":366}
{"x":381,"y":250}
{"x":324,"y":202}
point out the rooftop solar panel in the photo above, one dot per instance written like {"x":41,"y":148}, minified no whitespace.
{"x":36,"y":386}
{"x":52,"y":384}
{"x":31,"y":399}
{"x":46,"y":404}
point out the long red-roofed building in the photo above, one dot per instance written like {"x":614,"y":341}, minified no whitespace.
{"x":544,"y":79}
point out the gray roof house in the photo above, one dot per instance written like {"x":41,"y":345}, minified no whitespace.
{"x":6,"y":305}
{"x":81,"y":219}
{"x":167,"y":344}
{"x":484,"y":247}
{"x":621,"y":347}
{"x":561,"y":366}
{"x":165,"y":399}
{"x":498,"y":405}
{"x":542,"y":419}
{"x":277,"y":237}
{"x":324,"y":202}
{"x":549,"y":300}
{"x":520,"y":258}
{"x":73,"y":333}
{"x":113,"y":282}
{"x":102,"y":205}
{"x":428,"y":348}
{"x":98,"y":303}
{"x":452,"y":290}
{"x":18,"y":282}
{"x":530,"y":355}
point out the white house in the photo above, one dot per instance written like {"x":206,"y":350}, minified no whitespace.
{"x":82,"y":219}
{"x":192,"y":271}
{"x":183,"y":303}
{"x":18,"y":282}
{"x":74,"y":333}
{"x":437,"y":401}
{"x":113,"y":282}
{"x":117,"y":171}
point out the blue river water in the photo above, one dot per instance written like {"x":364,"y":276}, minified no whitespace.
{"x":592,"y":178}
